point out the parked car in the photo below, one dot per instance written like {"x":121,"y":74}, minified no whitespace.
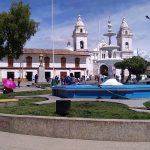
{"x":133,"y":77}
{"x":143,"y":77}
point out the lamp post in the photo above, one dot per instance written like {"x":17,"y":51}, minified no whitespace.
{"x":147,"y":17}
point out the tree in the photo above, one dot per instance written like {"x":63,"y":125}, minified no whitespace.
{"x":135,"y":65}
{"x":121,"y":65}
{"x":16,"y":28}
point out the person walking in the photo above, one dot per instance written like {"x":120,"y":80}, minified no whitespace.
{"x":19,"y":81}
{"x":36,"y":78}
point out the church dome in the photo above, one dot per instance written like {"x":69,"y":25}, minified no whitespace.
{"x":79,"y":21}
{"x":124,"y":24}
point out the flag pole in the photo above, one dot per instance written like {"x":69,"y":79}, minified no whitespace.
{"x":53,"y":38}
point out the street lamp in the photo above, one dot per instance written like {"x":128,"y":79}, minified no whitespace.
{"x":147,"y":17}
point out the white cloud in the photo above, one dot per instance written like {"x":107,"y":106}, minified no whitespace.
{"x":134,"y":15}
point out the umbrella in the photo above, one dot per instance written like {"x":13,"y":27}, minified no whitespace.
{"x":10,"y":84}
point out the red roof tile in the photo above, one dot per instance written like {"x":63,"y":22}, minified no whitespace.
{"x":56,"y":52}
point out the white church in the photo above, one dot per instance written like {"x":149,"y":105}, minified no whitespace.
{"x":77,"y":60}
{"x":105,"y":55}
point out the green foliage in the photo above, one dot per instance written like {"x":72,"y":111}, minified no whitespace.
{"x":136,"y":65}
{"x":120,"y":65}
{"x":16,"y":28}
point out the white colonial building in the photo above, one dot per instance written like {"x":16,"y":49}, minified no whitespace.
{"x":66,"y":61}
{"x":77,"y":60}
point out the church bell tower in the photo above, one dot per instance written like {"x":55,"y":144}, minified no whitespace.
{"x":124,"y":40}
{"x":80,"y":36}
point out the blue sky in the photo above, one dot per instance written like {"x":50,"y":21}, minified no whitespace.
{"x":92,"y":12}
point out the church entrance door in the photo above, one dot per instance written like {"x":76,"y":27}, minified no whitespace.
{"x":104,"y":70}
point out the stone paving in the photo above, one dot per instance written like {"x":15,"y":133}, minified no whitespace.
{"x":12,"y":141}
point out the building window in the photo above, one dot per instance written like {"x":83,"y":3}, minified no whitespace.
{"x":63,"y":62}
{"x":81,"y":30}
{"x":77,"y":62}
{"x":126,"y":32}
{"x":81,"y":44}
{"x":127,"y":45}
{"x":29,"y":61}
{"x":103,"y":55}
{"x":46,"y":61}
{"x":10,"y":61}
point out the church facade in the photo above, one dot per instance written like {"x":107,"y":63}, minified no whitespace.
{"x":105,"y":55}
{"x":77,"y":60}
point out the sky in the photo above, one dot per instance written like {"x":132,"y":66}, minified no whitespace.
{"x":95,"y":14}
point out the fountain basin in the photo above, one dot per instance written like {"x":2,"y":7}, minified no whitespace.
{"x":132,"y":91}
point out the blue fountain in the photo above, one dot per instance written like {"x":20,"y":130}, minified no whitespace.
{"x":103,"y":91}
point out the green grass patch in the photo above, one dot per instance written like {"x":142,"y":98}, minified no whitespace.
{"x":26,"y":107}
{"x":105,"y":110}
{"x":147,"y":104}
{"x":24,"y":93}
{"x":84,"y":109}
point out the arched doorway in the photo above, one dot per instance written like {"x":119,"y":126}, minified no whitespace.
{"x":104,"y":70}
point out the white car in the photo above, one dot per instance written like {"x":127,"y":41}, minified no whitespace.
{"x":143,"y":77}
{"x":133,"y":77}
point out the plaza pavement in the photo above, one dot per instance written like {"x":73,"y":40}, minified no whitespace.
{"x":12,"y":141}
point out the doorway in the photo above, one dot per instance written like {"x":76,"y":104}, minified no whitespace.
{"x":10,"y":75}
{"x":104,"y":70}
{"x":29,"y":76}
{"x":77,"y":74}
{"x":47,"y":76}
{"x":63,"y":75}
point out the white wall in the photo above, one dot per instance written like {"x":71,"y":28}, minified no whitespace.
{"x":21,"y":70}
